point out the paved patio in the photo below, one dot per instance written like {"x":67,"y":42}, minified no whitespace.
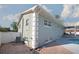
{"x":53,"y":48}
{"x":61,"y":46}
{"x":14,"y":48}
{"x":72,"y":44}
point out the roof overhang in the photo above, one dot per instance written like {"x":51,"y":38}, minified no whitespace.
{"x":43,"y":11}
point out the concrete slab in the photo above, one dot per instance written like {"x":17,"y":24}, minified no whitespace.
{"x":71,"y":44}
{"x":72,"y":47}
{"x":14,"y":48}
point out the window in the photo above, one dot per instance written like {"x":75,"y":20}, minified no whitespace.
{"x":47,"y":23}
{"x":27,"y":22}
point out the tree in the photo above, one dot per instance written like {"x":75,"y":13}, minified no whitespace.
{"x":4,"y":29}
{"x":14,"y":26}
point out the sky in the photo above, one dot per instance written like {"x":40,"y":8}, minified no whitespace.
{"x":9,"y":12}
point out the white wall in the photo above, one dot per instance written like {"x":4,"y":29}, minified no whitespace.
{"x":47,"y":33}
{"x":38,"y":31}
{"x":6,"y":37}
{"x":27,"y":29}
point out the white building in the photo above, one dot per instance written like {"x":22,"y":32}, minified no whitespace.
{"x":38,"y":26}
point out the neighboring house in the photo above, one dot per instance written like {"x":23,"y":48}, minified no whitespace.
{"x":72,"y":28}
{"x":38,"y":26}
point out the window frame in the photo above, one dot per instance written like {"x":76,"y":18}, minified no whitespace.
{"x":27,"y":22}
{"x":47,"y":23}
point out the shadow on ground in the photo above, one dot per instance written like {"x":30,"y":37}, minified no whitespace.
{"x":62,"y":41}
